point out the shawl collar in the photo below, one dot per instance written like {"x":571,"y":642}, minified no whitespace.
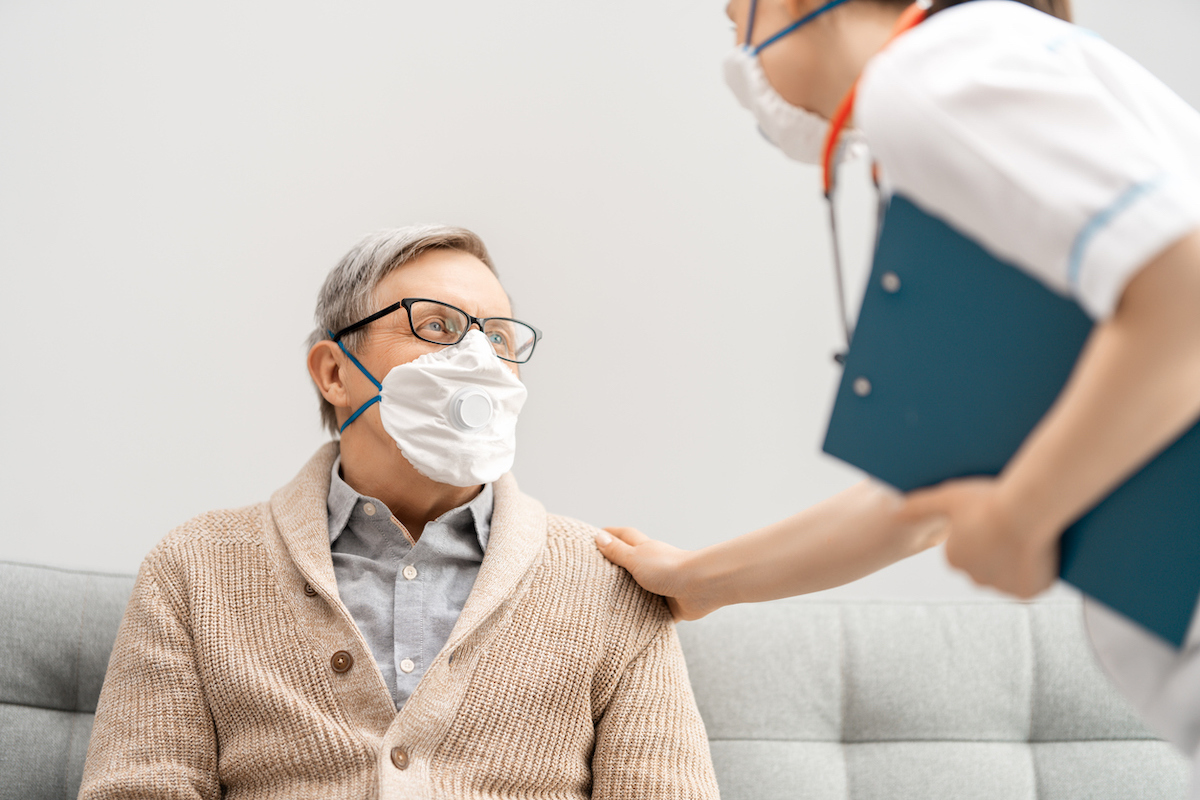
{"x":518,"y":538}
{"x":302,"y":517}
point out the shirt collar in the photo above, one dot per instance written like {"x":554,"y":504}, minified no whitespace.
{"x":342,"y":500}
{"x":475,"y":514}
{"x":481,"y":514}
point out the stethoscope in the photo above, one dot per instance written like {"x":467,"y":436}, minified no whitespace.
{"x":830,"y":159}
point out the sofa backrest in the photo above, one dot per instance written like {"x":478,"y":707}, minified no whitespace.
{"x":57,"y":629}
{"x":899,"y":700}
{"x":821,"y":700}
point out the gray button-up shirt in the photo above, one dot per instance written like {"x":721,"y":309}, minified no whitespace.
{"x":404,"y":597}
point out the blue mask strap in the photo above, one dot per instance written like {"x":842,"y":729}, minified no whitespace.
{"x":361,"y":409}
{"x":370,"y":377}
{"x":802,"y":21}
{"x":750,"y":21}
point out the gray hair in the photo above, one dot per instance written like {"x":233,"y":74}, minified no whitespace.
{"x":348,"y":293}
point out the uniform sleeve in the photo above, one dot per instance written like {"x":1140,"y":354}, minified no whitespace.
{"x":1009,"y":126}
{"x":651,"y":743}
{"x":153,"y":735}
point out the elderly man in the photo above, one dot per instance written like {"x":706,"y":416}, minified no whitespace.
{"x":399,"y":620}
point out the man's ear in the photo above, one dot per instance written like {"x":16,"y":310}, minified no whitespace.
{"x":326,"y":366}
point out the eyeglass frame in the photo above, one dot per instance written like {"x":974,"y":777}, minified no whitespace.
{"x":407,"y":304}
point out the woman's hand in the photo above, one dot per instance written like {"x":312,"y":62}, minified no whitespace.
{"x":988,"y":539}
{"x":1135,"y":388}
{"x":657,"y":567}
{"x":839,"y":540}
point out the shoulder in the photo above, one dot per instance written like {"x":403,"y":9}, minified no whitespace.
{"x":969,"y":48}
{"x":191,"y":545}
{"x":573,"y":541}
{"x":975,"y":34}
{"x":964,"y":92}
{"x":1026,"y":133}
{"x":199,"y":560}
{"x":571,"y":546}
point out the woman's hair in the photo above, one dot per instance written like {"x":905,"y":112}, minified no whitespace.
{"x":1055,"y":8}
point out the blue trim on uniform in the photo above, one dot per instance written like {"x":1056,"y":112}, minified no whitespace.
{"x":805,"y":19}
{"x":1072,"y":36}
{"x":1102,"y":218}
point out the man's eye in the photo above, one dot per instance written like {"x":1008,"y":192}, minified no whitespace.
{"x":439,"y":329}
{"x":439,"y":325}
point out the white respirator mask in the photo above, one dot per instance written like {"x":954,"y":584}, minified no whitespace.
{"x":798,"y":132}
{"x":452,"y":412}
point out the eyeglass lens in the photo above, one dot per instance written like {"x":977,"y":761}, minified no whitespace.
{"x":442,"y":324}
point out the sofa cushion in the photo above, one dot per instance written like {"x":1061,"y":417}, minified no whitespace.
{"x":56,"y":633}
{"x":862,"y":699}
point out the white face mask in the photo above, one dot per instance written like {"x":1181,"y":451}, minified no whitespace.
{"x":453,"y":412}
{"x":798,"y":132}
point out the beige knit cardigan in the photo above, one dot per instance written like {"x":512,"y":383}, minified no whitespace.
{"x":239,"y":673}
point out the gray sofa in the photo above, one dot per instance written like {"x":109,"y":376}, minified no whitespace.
{"x":802,"y":699}
{"x":928,"y":701}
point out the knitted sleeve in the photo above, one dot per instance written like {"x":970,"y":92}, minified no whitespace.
{"x":651,"y":743}
{"x":153,"y":736}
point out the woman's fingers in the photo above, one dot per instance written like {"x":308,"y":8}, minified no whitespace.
{"x":614,"y":547}
{"x":652,"y":564}
{"x":630,"y":536}
{"x":657,"y":567}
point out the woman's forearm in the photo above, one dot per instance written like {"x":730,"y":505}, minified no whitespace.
{"x":841,"y":539}
{"x":1135,"y":389}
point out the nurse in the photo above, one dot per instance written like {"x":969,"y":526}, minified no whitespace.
{"x":1057,"y":153}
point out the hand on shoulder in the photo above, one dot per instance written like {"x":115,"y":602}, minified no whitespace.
{"x":657,"y":567}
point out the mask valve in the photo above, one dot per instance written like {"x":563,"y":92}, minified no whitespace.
{"x":470,"y":409}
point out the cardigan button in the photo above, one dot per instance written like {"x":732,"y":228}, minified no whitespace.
{"x":400,"y":758}
{"x":341,"y":661}
{"x":309,"y":590}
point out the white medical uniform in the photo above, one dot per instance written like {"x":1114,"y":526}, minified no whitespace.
{"x":1060,"y":154}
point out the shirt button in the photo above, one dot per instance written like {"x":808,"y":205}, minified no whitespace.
{"x":309,"y":590}
{"x":407,"y":665}
{"x":341,"y":661}
{"x":410,"y":572}
{"x":370,"y":509}
{"x":400,"y":758}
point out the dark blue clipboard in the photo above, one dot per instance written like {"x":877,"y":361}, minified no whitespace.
{"x":956,"y":356}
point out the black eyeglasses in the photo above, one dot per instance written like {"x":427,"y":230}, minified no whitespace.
{"x":441,"y":323}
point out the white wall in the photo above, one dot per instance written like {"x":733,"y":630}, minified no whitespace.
{"x":176,"y":179}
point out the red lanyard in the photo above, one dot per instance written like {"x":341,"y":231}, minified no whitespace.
{"x":912,"y":16}
{"x":908,"y":20}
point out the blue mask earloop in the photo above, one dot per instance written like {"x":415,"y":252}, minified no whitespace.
{"x":370,"y":377}
{"x":809,"y":17}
